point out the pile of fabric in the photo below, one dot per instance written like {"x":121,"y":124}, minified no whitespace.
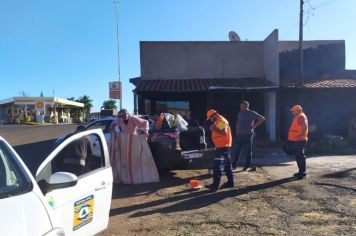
{"x":169,"y":121}
{"x":131,"y":159}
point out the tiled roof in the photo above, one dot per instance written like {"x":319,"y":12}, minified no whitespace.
{"x":322,"y":83}
{"x":199,"y":85}
{"x":135,"y":80}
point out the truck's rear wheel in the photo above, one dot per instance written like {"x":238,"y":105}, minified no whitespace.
{"x":183,"y":164}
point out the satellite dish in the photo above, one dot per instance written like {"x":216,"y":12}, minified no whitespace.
{"x":234,"y":37}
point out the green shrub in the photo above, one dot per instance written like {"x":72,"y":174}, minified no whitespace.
{"x":329,"y":145}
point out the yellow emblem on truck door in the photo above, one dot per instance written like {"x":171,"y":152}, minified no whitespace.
{"x":83,"y":212}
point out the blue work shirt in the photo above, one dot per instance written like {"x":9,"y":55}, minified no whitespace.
{"x":245,"y":121}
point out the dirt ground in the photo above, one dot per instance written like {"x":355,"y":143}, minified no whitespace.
{"x":265,"y":202}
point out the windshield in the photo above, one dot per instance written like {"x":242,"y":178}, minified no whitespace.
{"x":104,"y":125}
{"x":13,"y":181}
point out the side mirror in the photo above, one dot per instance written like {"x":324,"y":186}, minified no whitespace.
{"x":57,"y":181}
{"x":80,"y":128}
{"x":62,"y":180}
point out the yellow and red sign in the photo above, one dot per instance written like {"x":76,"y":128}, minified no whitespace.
{"x":115,"y":90}
{"x":39,"y":105}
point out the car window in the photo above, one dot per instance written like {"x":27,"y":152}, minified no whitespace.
{"x":80,"y":157}
{"x":13,"y":181}
{"x":104,"y":125}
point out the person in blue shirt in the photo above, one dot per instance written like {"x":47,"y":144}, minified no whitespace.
{"x":247,"y":121}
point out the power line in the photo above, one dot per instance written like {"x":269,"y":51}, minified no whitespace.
{"x":301,"y":14}
{"x":324,"y":4}
{"x":296,"y":23}
{"x":291,"y":30}
{"x":294,"y":26}
{"x":310,"y":11}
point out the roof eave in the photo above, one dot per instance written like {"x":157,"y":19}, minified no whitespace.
{"x":243,"y":88}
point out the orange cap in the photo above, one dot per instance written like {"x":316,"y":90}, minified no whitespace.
{"x":210,"y":113}
{"x":296,"y":108}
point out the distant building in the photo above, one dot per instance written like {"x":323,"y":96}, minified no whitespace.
{"x":328,"y":93}
{"x":38,"y":109}
{"x":203,"y":75}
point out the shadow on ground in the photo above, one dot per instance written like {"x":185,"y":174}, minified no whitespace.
{"x":194,"y":200}
{"x":335,"y":186}
{"x":342,"y":174}
{"x":167,"y":179}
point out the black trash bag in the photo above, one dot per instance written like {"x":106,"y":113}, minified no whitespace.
{"x":193,"y":139}
{"x":165,"y":124}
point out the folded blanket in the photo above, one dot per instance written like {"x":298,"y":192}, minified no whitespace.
{"x":131,"y":159}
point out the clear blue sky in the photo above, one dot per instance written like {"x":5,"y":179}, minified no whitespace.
{"x":69,"y":46}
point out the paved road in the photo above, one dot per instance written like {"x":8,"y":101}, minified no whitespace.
{"x":32,"y":142}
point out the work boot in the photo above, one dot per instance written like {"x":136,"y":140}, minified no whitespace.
{"x":212,"y":187}
{"x":301,"y":176}
{"x":227,"y":185}
{"x":296,"y":174}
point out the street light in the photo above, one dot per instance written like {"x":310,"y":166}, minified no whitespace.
{"x":118,"y":49}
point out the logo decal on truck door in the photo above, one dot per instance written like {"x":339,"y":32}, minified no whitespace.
{"x":83,"y":212}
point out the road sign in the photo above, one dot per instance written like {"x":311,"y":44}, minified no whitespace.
{"x":115,"y":90}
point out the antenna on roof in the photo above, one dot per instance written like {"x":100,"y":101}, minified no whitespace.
{"x":234,"y":37}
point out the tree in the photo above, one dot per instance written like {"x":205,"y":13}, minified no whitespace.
{"x":109,"y":104}
{"x":24,"y":94}
{"x":87,"y":104}
{"x":71,"y":98}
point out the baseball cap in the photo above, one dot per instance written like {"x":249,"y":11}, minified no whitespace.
{"x":122,"y":112}
{"x":296,"y":108}
{"x":210,"y":113}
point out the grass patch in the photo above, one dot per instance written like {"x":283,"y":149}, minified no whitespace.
{"x":38,"y":123}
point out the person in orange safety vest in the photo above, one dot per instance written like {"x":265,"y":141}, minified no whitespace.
{"x":297,"y":138}
{"x":222,"y":139}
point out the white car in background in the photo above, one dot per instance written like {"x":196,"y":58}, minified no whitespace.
{"x":170,"y":148}
{"x":55,"y":202}
{"x":103,"y":124}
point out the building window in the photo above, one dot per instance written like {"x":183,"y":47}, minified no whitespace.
{"x":148,"y":106}
{"x":157,"y":107}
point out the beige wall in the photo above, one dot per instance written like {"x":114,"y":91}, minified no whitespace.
{"x":271,"y":58}
{"x":185,"y":60}
{"x":271,"y":114}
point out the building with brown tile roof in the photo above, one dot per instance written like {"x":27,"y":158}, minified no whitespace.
{"x":196,"y":76}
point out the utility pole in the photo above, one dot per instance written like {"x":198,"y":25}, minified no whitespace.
{"x":301,"y":69}
{"x":118,"y":49}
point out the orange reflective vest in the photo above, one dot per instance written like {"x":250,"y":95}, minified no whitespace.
{"x":295,"y":131}
{"x":159,"y":122}
{"x":221,"y":140}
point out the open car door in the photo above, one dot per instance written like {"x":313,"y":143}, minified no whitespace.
{"x":83,"y":207}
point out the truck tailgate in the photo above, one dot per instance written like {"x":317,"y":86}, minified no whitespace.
{"x":200,"y":159}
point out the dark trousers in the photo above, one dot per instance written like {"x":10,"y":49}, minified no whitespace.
{"x":243,"y":141}
{"x":299,"y":152}
{"x":222,"y":163}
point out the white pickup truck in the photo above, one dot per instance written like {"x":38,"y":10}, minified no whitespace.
{"x":169,"y":147}
{"x":56,"y":201}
